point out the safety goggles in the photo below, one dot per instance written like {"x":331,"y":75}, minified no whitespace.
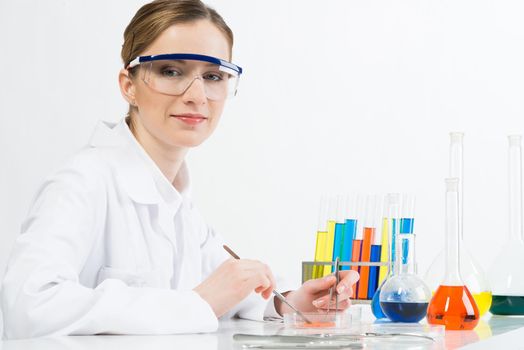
{"x":173,"y":74}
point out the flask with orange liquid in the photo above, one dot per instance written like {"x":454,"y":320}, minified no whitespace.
{"x":471,"y":271}
{"x":452,"y":304}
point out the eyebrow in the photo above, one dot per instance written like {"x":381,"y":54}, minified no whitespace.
{"x":208,"y":64}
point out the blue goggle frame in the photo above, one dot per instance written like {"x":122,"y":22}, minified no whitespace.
{"x":224,"y":66}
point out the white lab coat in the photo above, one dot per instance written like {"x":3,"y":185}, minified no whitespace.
{"x":110,"y":246}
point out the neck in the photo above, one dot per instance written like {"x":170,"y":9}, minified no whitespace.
{"x":168,"y":158}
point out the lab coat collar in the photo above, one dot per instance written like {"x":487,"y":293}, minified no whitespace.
{"x":136,"y":171}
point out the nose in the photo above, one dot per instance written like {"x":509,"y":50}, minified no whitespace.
{"x":195,"y":91}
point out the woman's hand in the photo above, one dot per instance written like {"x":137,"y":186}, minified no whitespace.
{"x":314,"y":294}
{"x":232,"y":281}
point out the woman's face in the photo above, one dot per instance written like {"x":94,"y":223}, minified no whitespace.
{"x":188,"y":119}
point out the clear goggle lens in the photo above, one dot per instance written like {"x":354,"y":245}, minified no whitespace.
{"x":174,"y":77}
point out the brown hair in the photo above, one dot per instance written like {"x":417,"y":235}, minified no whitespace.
{"x":153,"y":18}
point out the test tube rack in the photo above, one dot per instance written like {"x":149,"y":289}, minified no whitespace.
{"x":308,"y":266}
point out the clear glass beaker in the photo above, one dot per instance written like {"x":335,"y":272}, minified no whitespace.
{"x":452,"y":304}
{"x":471,"y":271}
{"x":404,"y":296}
{"x":507,"y":272}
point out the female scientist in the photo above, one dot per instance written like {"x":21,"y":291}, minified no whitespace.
{"x":112,"y":242}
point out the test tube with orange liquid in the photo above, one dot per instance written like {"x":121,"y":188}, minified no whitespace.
{"x":371,"y":221}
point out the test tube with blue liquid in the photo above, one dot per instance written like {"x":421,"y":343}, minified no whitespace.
{"x":376,"y":250}
{"x":350,"y":229}
{"x":407,"y":222}
{"x":391,"y":226}
{"x":338,"y":244}
{"x":404,"y":297}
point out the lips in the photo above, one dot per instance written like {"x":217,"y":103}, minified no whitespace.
{"x":190,"y":118}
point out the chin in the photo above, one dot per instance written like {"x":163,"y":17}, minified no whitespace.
{"x":188,"y":141}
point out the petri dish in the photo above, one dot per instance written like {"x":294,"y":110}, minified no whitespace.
{"x":318,"y":320}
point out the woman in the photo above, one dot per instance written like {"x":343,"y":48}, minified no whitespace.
{"x":113,"y":243}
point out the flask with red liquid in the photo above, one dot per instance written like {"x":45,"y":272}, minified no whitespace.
{"x":452,"y":304}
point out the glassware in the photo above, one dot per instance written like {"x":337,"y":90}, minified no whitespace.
{"x":322,"y":233}
{"x":472,"y":273}
{"x":369,"y":230}
{"x":452,"y":304}
{"x":318,"y":320}
{"x":350,"y":228}
{"x":219,"y":77}
{"x":340,"y":228}
{"x":507,"y":273}
{"x":404,"y":296}
{"x":390,"y":229}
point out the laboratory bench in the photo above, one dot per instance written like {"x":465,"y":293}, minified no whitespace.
{"x":492,"y":332}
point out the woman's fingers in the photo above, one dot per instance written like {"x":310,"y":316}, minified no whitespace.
{"x":347,"y":279}
{"x":232,"y":281}
{"x":260,"y":279}
{"x":322,"y":304}
{"x":319,"y":285}
{"x":343,"y":289}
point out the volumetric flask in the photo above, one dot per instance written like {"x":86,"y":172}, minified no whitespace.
{"x":452,"y":304}
{"x":507,"y":272}
{"x":404,"y":296}
{"x":472,"y":273}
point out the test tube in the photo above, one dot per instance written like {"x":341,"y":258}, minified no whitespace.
{"x":376,"y":250}
{"x":330,"y":238}
{"x":357,"y":244}
{"x":339,"y":229}
{"x":384,"y":253}
{"x":318,"y":270}
{"x":368,"y":233}
{"x":407,"y":222}
{"x":350,"y":228}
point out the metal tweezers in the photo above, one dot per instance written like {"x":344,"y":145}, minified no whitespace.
{"x":337,"y":276}
{"x":326,"y":336}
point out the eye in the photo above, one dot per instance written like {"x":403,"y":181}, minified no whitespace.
{"x":213,"y":76}
{"x":170,"y":72}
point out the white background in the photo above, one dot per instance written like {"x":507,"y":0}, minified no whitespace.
{"x":337,"y":96}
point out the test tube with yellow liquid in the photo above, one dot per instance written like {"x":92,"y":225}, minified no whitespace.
{"x":322,"y":233}
{"x":330,"y":237}
{"x":385,"y":250}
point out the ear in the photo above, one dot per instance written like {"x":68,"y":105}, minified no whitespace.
{"x":127,"y":86}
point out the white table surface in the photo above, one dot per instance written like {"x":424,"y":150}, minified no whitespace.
{"x":491,"y":331}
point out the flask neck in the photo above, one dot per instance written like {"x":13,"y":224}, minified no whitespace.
{"x":515,"y":188}
{"x":456,"y":170}
{"x":406,"y":257}
{"x":452,"y":245}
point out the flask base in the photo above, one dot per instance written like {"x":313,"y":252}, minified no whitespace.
{"x":507,"y":305}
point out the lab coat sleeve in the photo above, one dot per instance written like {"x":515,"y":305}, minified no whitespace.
{"x":253,"y":307}
{"x":42,"y":294}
